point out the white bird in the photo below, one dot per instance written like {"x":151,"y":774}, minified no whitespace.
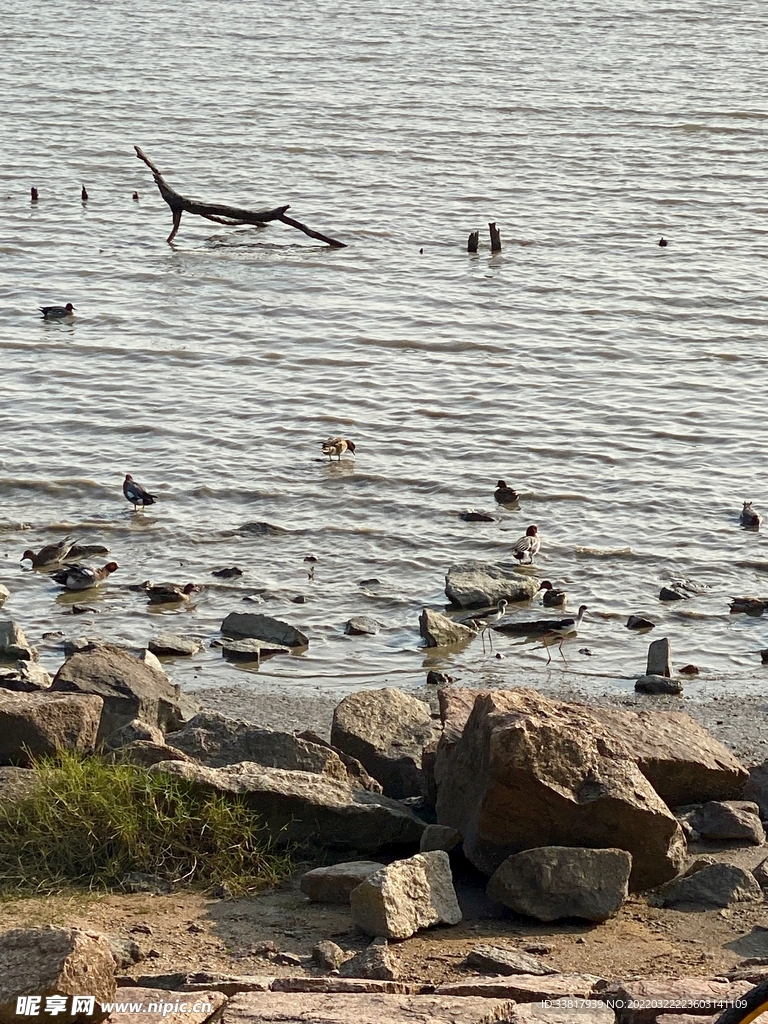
{"x":337,"y":446}
{"x":528,"y":545}
{"x":564,"y":629}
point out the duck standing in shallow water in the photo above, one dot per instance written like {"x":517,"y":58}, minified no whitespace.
{"x":337,"y":446}
{"x":505,"y":495}
{"x":528,"y":545}
{"x":82,"y":577}
{"x":50,"y":554}
{"x":552,"y":597}
{"x":57,"y":312}
{"x":136,"y":494}
{"x":169,"y":593}
{"x":750,"y":517}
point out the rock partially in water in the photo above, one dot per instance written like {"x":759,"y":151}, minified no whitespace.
{"x":170,"y":645}
{"x":659,"y":658}
{"x":251,"y":650}
{"x":658,"y":684}
{"x":82,"y":552}
{"x":437,"y":678}
{"x":262,"y":529}
{"x":230,"y":573}
{"x":668,"y":594}
{"x":477,"y":584}
{"x":251,"y":625}
{"x":471,"y":515}
{"x":361,"y":625}
{"x":639,"y":622}
{"x":440,"y":631}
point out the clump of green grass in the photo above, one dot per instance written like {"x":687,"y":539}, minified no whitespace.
{"x":89,"y":823}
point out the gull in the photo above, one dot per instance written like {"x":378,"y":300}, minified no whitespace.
{"x":527,"y":545}
{"x":564,"y":629}
{"x":337,"y":446}
{"x":136,"y":494}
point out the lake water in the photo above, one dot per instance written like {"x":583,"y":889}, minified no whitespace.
{"x":619,"y":386}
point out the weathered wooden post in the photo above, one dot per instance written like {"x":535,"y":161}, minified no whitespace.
{"x":473,"y":241}
{"x":495,"y":237}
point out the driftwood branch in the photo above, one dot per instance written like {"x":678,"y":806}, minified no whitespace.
{"x":232,"y":216}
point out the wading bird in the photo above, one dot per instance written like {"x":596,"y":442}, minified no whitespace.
{"x":136,"y":494}
{"x":564,"y":629}
{"x":528,"y":545}
{"x":337,"y":446}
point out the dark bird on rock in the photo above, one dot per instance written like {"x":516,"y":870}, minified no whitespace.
{"x":136,"y":494}
{"x":552,"y":597}
{"x":82,"y":577}
{"x":170,"y":593}
{"x":50,"y":554}
{"x":528,"y":545}
{"x":505,"y":495}
{"x":57,"y":312}
{"x":750,"y":517}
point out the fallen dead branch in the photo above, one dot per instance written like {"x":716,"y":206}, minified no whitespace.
{"x":232,"y":216}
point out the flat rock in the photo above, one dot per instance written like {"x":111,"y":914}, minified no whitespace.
{"x":130,"y":688}
{"x":683,"y":762}
{"x":306,"y":808}
{"x":406,"y":896}
{"x":642,"y":1001}
{"x":386,"y":730}
{"x":554,"y":882}
{"x":251,"y":650}
{"x":658,"y":684}
{"x":38,"y":724}
{"x":334,"y":883}
{"x":498,"y":960}
{"x":168,"y":1006}
{"x":55,"y":961}
{"x":716,"y":885}
{"x":262,"y":529}
{"x":361,"y":625}
{"x":723,"y":819}
{"x":252,"y":626}
{"x":439,"y":631}
{"x":361,"y":1008}
{"x":172,"y":646}
{"x":475,"y":584}
{"x":528,"y":772}
{"x":535,"y":1013}
{"x":524,"y":988}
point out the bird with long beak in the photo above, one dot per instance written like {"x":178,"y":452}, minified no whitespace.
{"x":136,"y":494}
{"x":82,"y":577}
{"x":51,"y":554}
{"x":564,"y":629}
{"x":485,"y":623}
{"x":529,"y":545}
{"x":337,"y":446}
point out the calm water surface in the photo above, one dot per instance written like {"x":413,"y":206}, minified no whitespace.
{"x":619,"y":386}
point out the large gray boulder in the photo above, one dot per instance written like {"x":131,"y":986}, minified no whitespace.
{"x":216,"y":740}
{"x":715,"y":885}
{"x":483,"y":584}
{"x":729,"y":819}
{"x":386,"y":730}
{"x":38,"y":724}
{"x":553,"y":882}
{"x":315,"y":811}
{"x":405,"y":896}
{"x":529,"y":772}
{"x":682,"y":761}
{"x":50,"y":961}
{"x":247,"y":625}
{"x":334,"y":883}
{"x":130,"y":688}
{"x":440,"y":631}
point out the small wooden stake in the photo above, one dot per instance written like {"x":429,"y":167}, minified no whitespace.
{"x":473,"y":241}
{"x":495,"y":237}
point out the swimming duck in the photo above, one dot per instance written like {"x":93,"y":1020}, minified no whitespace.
{"x":337,"y":446}
{"x":136,"y":494}
{"x":552,"y":597}
{"x":749,"y":517}
{"x":566,"y":628}
{"x":505,"y":495}
{"x":169,"y":593}
{"x":81,"y":577}
{"x":34,"y":194}
{"x":57,"y":312}
{"x":527,"y":545}
{"x":83,"y":194}
{"x":663,"y":243}
{"x":748,"y":605}
{"x":50,"y":554}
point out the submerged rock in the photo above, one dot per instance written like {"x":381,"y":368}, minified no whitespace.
{"x":477,"y":584}
{"x":251,"y":625}
{"x":360,"y":625}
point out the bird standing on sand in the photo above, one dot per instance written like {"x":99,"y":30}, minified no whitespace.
{"x":136,"y":494}
{"x":552,"y":597}
{"x":750,"y":517}
{"x":82,"y":577}
{"x":57,"y":312}
{"x":50,"y":554}
{"x":505,"y":495}
{"x":528,"y":545}
{"x":337,"y":446}
{"x":564,"y":629}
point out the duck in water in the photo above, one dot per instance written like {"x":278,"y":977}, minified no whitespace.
{"x":50,"y":554}
{"x":337,"y":446}
{"x":529,"y":544}
{"x":82,"y":577}
{"x":136,"y":494}
{"x":505,"y":495}
{"x":750,"y":517}
{"x":57,"y":312}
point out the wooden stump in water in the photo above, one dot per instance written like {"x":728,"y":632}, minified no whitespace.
{"x":473,"y":241}
{"x":495,"y":237}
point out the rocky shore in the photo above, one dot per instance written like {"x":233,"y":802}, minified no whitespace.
{"x":461,"y":854}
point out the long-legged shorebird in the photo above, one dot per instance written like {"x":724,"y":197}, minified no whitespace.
{"x":564,"y":629}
